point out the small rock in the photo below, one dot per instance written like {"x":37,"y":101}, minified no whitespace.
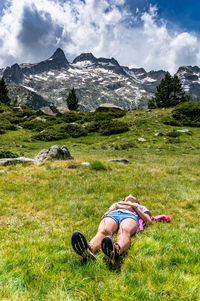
{"x":2,"y":172}
{"x":40,"y":119}
{"x":183,"y":131}
{"x":18,"y":109}
{"x":14,"y":161}
{"x":142,"y":139}
{"x":159,"y":134}
{"x":44,"y":131}
{"x":85,"y":163}
{"x":124,"y":161}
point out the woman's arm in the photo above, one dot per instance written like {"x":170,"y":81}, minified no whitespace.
{"x":121,"y":205}
{"x":145,"y":216}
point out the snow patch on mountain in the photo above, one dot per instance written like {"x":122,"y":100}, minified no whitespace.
{"x":148,"y":79}
{"x":96,"y":81}
{"x":83,"y":64}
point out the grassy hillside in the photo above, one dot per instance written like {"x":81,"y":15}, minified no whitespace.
{"x":40,"y":207}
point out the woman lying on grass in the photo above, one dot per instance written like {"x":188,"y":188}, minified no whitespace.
{"x":122,"y":217}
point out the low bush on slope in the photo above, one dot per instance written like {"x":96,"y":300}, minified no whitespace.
{"x":187,"y":113}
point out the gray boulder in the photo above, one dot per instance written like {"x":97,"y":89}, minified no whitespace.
{"x":62,"y":109}
{"x":46,"y":111}
{"x":40,"y":119}
{"x":123,"y":161}
{"x":183,"y":131}
{"x":141,"y":139}
{"x":14,"y":161}
{"x":108,"y":106}
{"x":53,"y":153}
{"x":159,"y":134}
{"x":53,"y":110}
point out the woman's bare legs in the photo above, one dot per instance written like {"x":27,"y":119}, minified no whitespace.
{"x":107,"y":227}
{"x":128,"y":227}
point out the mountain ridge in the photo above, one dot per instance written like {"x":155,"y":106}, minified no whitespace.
{"x":96,"y":80}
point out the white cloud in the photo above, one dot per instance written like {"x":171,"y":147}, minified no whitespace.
{"x":31,"y":30}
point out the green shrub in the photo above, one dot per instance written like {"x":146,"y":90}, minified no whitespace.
{"x":107,"y":127}
{"x":4,"y":108}
{"x":6,"y":125}
{"x":171,"y":121}
{"x":36,"y":125}
{"x":111,"y":110}
{"x":74,"y":130}
{"x":188,"y":113}
{"x":26,"y":111}
{"x":99,"y":116}
{"x":187,"y":109}
{"x":61,"y":132}
{"x":12,"y":118}
{"x":97,"y":165}
{"x":53,"y":120}
{"x":108,"y":115}
{"x":51,"y":134}
{"x":8,"y":154}
{"x":72,"y":116}
{"x":173,"y":134}
{"x":110,"y":127}
{"x":93,"y":126}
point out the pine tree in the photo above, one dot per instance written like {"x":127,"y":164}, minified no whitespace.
{"x":169,"y":93}
{"x":178,"y":94}
{"x":4,"y":93}
{"x":72,"y":100}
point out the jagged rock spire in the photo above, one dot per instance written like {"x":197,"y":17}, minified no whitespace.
{"x":59,"y":54}
{"x":85,"y":57}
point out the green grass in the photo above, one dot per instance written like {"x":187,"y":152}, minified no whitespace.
{"x":40,"y":207}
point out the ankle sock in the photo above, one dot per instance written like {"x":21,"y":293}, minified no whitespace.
{"x":117,"y":250}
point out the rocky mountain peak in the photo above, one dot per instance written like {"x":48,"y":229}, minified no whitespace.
{"x":108,"y":61}
{"x":57,"y":61}
{"x":58,"y":55}
{"x":85,"y":57}
{"x":157,"y":75}
{"x":188,"y":69}
{"x":96,"y":80}
{"x":13,"y":73}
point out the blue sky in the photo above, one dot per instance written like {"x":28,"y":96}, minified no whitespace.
{"x":178,"y":13}
{"x":154,"y":34}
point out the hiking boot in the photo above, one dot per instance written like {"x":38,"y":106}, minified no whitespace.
{"x":81,"y":247}
{"x":110,"y":249}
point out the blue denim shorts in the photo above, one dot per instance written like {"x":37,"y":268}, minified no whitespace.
{"x":120,"y":216}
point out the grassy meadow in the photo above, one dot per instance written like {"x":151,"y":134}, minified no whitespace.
{"x":41,"y":206}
